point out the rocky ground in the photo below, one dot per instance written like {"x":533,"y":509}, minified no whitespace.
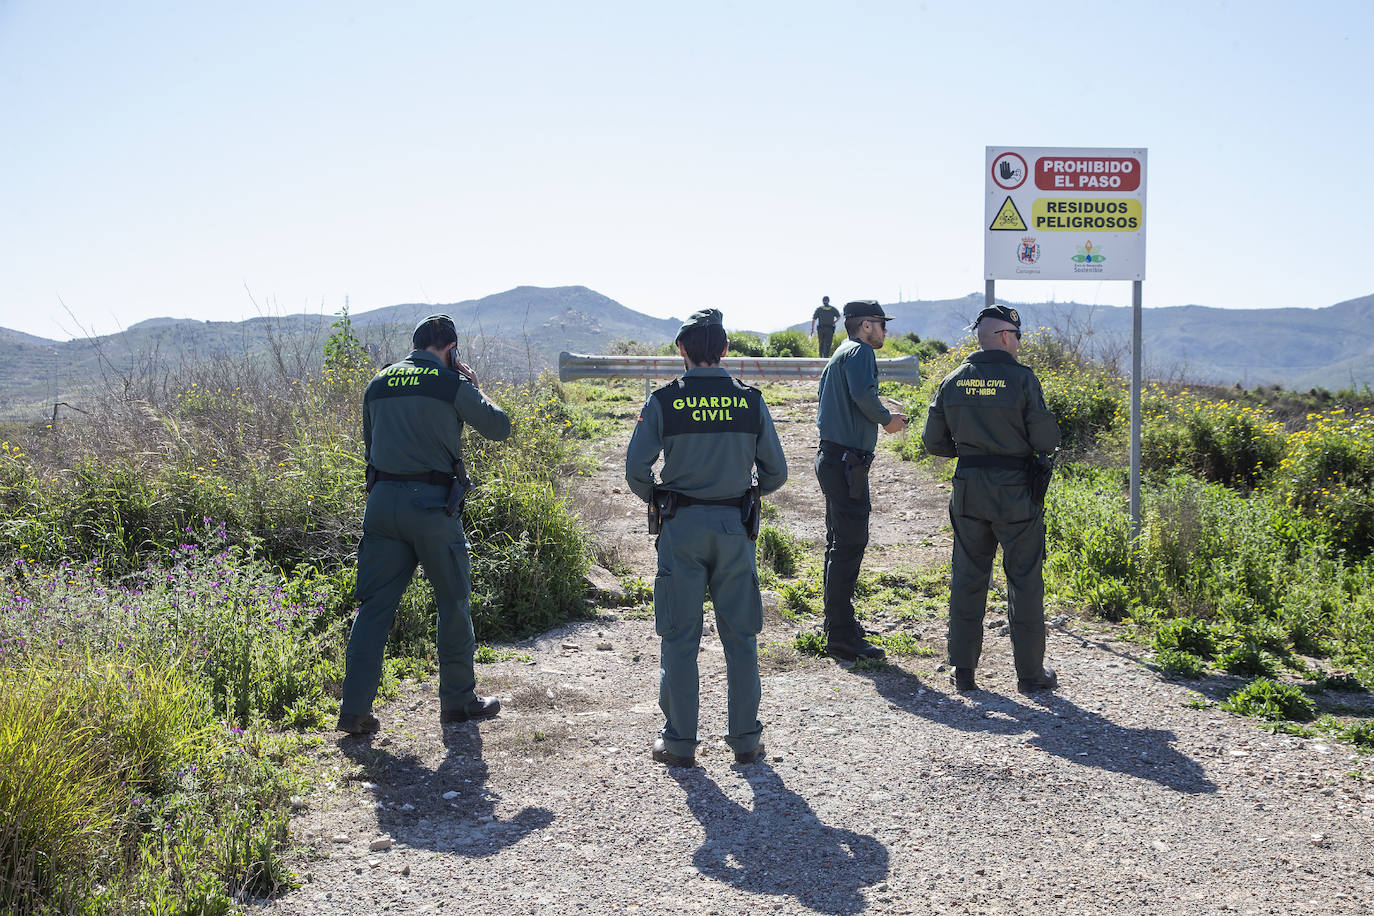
{"x":883,"y":790}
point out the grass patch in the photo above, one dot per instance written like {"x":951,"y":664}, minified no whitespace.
{"x":810,"y":643}
{"x":486,"y":655}
{"x":902,"y":644}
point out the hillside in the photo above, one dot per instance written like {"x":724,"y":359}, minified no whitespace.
{"x":520,"y":332}
{"x":1297,"y":348}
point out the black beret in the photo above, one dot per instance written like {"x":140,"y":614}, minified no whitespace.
{"x":1000,"y":312}
{"x":703,"y":318}
{"x":865,"y":308}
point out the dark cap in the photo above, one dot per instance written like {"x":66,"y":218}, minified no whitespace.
{"x":865,"y":308}
{"x":703,"y":318}
{"x":432,"y":330}
{"x":1000,"y":312}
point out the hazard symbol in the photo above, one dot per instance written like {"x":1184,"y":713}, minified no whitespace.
{"x":1008,"y":218}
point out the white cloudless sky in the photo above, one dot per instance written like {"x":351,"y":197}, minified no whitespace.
{"x":224,"y":160}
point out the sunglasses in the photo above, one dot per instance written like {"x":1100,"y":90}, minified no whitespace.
{"x":1009,"y":331}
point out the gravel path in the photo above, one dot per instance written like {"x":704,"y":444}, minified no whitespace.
{"x":884,"y":791}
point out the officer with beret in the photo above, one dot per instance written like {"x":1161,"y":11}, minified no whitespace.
{"x":848,"y":420}
{"x":413,"y":417}
{"x":990,"y":413}
{"x":713,"y":431}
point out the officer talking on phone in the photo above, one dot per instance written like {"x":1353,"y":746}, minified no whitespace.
{"x":413,"y":417}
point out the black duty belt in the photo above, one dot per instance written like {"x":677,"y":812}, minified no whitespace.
{"x":835,"y":450}
{"x":1008,"y":462}
{"x":693,"y":501}
{"x":438,"y":478}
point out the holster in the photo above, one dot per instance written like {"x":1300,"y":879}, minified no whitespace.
{"x":369,"y":478}
{"x":751,"y":511}
{"x":662,"y":506}
{"x":856,"y":465}
{"x":1040,"y":469}
{"x":459,"y":486}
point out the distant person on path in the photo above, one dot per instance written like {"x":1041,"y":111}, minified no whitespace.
{"x":823,"y":320}
{"x":990,"y":413}
{"x":712,"y":430}
{"x":413,"y":416}
{"x":848,"y":420}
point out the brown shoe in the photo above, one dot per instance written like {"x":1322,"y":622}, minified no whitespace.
{"x":365,"y":724}
{"x":750,"y":756}
{"x":1045,"y":680}
{"x":663,"y":755}
{"x":479,"y":708}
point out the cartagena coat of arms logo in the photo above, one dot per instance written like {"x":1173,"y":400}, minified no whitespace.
{"x":1028,"y":252}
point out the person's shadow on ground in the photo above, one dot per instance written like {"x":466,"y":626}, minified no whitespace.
{"x":1055,"y":725}
{"x":780,"y":846}
{"x":414,"y":811}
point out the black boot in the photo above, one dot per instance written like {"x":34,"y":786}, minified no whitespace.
{"x":851,"y":646}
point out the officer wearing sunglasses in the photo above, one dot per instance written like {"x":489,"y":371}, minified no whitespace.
{"x":990,"y":413}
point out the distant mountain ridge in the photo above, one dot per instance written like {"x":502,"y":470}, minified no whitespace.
{"x":524,"y":329}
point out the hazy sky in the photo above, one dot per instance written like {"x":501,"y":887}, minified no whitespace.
{"x":220,"y":161}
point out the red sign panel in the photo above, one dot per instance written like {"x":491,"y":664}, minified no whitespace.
{"x":1084,"y":173}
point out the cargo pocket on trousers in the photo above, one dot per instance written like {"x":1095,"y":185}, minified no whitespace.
{"x":663,"y":603}
{"x":756,"y":611}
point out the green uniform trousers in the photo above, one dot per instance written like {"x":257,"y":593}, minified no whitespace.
{"x":987,"y":509}
{"x":404,"y":524}
{"x":705,"y":547}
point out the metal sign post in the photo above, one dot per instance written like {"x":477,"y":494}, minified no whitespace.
{"x":1055,"y":213}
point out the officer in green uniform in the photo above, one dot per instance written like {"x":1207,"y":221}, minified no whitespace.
{"x":848,"y":420}
{"x":413,"y":416}
{"x":823,"y":321}
{"x":990,"y":413}
{"x":712,"y":431}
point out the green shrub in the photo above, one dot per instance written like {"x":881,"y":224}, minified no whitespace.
{"x":1361,"y":735}
{"x":793,"y":344}
{"x":1221,"y":441}
{"x":797,"y":598}
{"x":1328,"y":474}
{"x":810,"y":642}
{"x":117,"y":786}
{"x":1181,"y":663}
{"x":1265,"y":699}
{"x":1245,"y":658}
{"x":745,"y":344}
{"x":1339,"y":681}
{"x":779,"y":550}
{"x":1187,"y":635}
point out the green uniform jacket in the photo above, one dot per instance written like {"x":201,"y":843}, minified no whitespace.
{"x":712,"y":430}
{"x":413,"y":416}
{"x":990,"y":405}
{"x":850,"y":411}
{"x":825,"y":316}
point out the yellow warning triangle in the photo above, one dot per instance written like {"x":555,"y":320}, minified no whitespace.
{"x":1008,"y":217}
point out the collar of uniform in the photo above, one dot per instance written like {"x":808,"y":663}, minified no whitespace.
{"x":705,"y":371}
{"x":424,"y":356}
{"x":991,"y":356}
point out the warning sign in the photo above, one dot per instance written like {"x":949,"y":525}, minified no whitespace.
{"x":1008,"y":218}
{"x":1087,"y":173}
{"x":1078,"y":214}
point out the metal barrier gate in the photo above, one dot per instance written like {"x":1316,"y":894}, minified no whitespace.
{"x":768,"y":368}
